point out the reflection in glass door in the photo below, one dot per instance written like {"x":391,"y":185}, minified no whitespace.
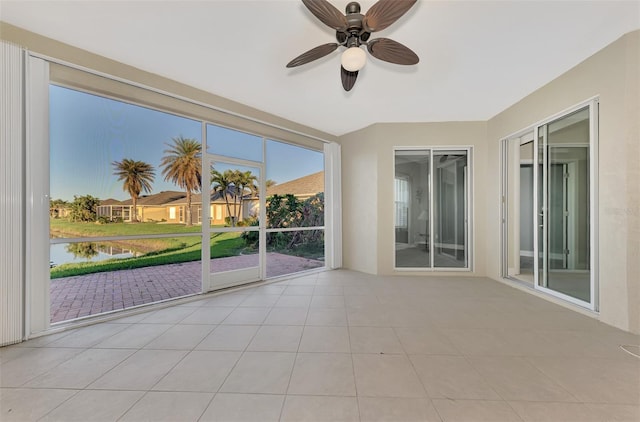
{"x":564,"y":201}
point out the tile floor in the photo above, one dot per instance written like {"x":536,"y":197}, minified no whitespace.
{"x":332,"y":346}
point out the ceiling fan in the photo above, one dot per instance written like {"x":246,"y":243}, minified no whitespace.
{"x":353,"y":30}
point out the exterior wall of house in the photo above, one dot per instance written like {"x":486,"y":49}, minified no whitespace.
{"x":611,"y":74}
{"x":153,"y":213}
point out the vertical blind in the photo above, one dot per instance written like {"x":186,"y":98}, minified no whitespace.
{"x":11,"y":194}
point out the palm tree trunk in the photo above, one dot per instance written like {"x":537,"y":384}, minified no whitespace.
{"x":239,"y":210}
{"x":226,"y":200}
{"x":134,"y":217}
{"x":189,"y":221}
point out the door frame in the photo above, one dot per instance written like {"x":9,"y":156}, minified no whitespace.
{"x":220,"y":280}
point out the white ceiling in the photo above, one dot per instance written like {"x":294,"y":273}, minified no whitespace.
{"x":476,"y":57}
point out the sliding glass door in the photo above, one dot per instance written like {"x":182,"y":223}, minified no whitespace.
{"x":564,"y":207}
{"x":548,"y":209}
{"x":432,"y":202}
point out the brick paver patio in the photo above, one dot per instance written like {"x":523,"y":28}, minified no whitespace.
{"x":79,"y":296}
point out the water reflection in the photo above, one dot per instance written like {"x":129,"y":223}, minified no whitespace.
{"x":64,"y":253}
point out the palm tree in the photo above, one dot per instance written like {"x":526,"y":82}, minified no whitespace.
{"x":269,"y":183}
{"x":223,"y":184}
{"x":137,"y":177}
{"x":245,"y":180}
{"x":182,"y":165}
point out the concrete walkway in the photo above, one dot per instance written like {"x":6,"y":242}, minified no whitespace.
{"x":91,"y":294}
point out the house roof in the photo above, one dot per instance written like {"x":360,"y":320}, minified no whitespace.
{"x":156,"y":199}
{"x":110,"y":201}
{"x":196,"y":198}
{"x":303,"y":186}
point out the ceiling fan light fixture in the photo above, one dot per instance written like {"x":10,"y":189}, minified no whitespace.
{"x":354,"y":59}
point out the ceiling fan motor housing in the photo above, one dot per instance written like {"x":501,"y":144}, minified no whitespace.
{"x":354,"y":34}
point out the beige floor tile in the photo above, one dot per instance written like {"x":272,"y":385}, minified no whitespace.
{"x":384,"y":409}
{"x":244,"y":408}
{"x":300,"y":290}
{"x":369,"y":316}
{"x":329,"y":290}
{"x":334,"y":317}
{"x":451,"y":377}
{"x":498,"y":342}
{"x":309,"y":280}
{"x":325,"y":339}
{"x":88,"y":336}
{"x":386,"y":376}
{"x":11,"y":352}
{"x":554,"y":412}
{"x":322,"y":374}
{"x":171,"y":407}
{"x":374,"y":340}
{"x":293,"y":301}
{"x":428,"y":341}
{"x":350,"y":290}
{"x":287,"y":316}
{"x":475,"y":411}
{"x":32,"y":363}
{"x":616,"y":412}
{"x":181,"y":337}
{"x":573,"y":343}
{"x":260,"y":301}
{"x":95,"y":406}
{"x":81,"y":370}
{"x":42,"y":341}
{"x":269,"y":289}
{"x":207,"y":315}
{"x":229,"y":337}
{"x":358,"y":301}
{"x":171,"y":315}
{"x":17,"y":404}
{"x":199,"y":371}
{"x":134,"y":337}
{"x":246,"y":316}
{"x":230,"y":300}
{"x":595,"y":380}
{"x":327,"y":301}
{"x":260,"y":372}
{"x":132,"y":319}
{"x":320,"y":409}
{"x":514,"y":378}
{"x":141,"y":371}
{"x":276,"y":338}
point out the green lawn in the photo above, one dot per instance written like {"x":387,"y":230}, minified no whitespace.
{"x":158,"y":251}
{"x":64,"y":228}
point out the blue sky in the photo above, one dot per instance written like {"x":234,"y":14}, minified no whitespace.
{"x":88,"y":133}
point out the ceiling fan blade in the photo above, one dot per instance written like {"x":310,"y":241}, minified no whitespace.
{"x":348,"y":78}
{"x":391,"y":51}
{"x":313,"y":54}
{"x":384,"y":13}
{"x":327,"y":13}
